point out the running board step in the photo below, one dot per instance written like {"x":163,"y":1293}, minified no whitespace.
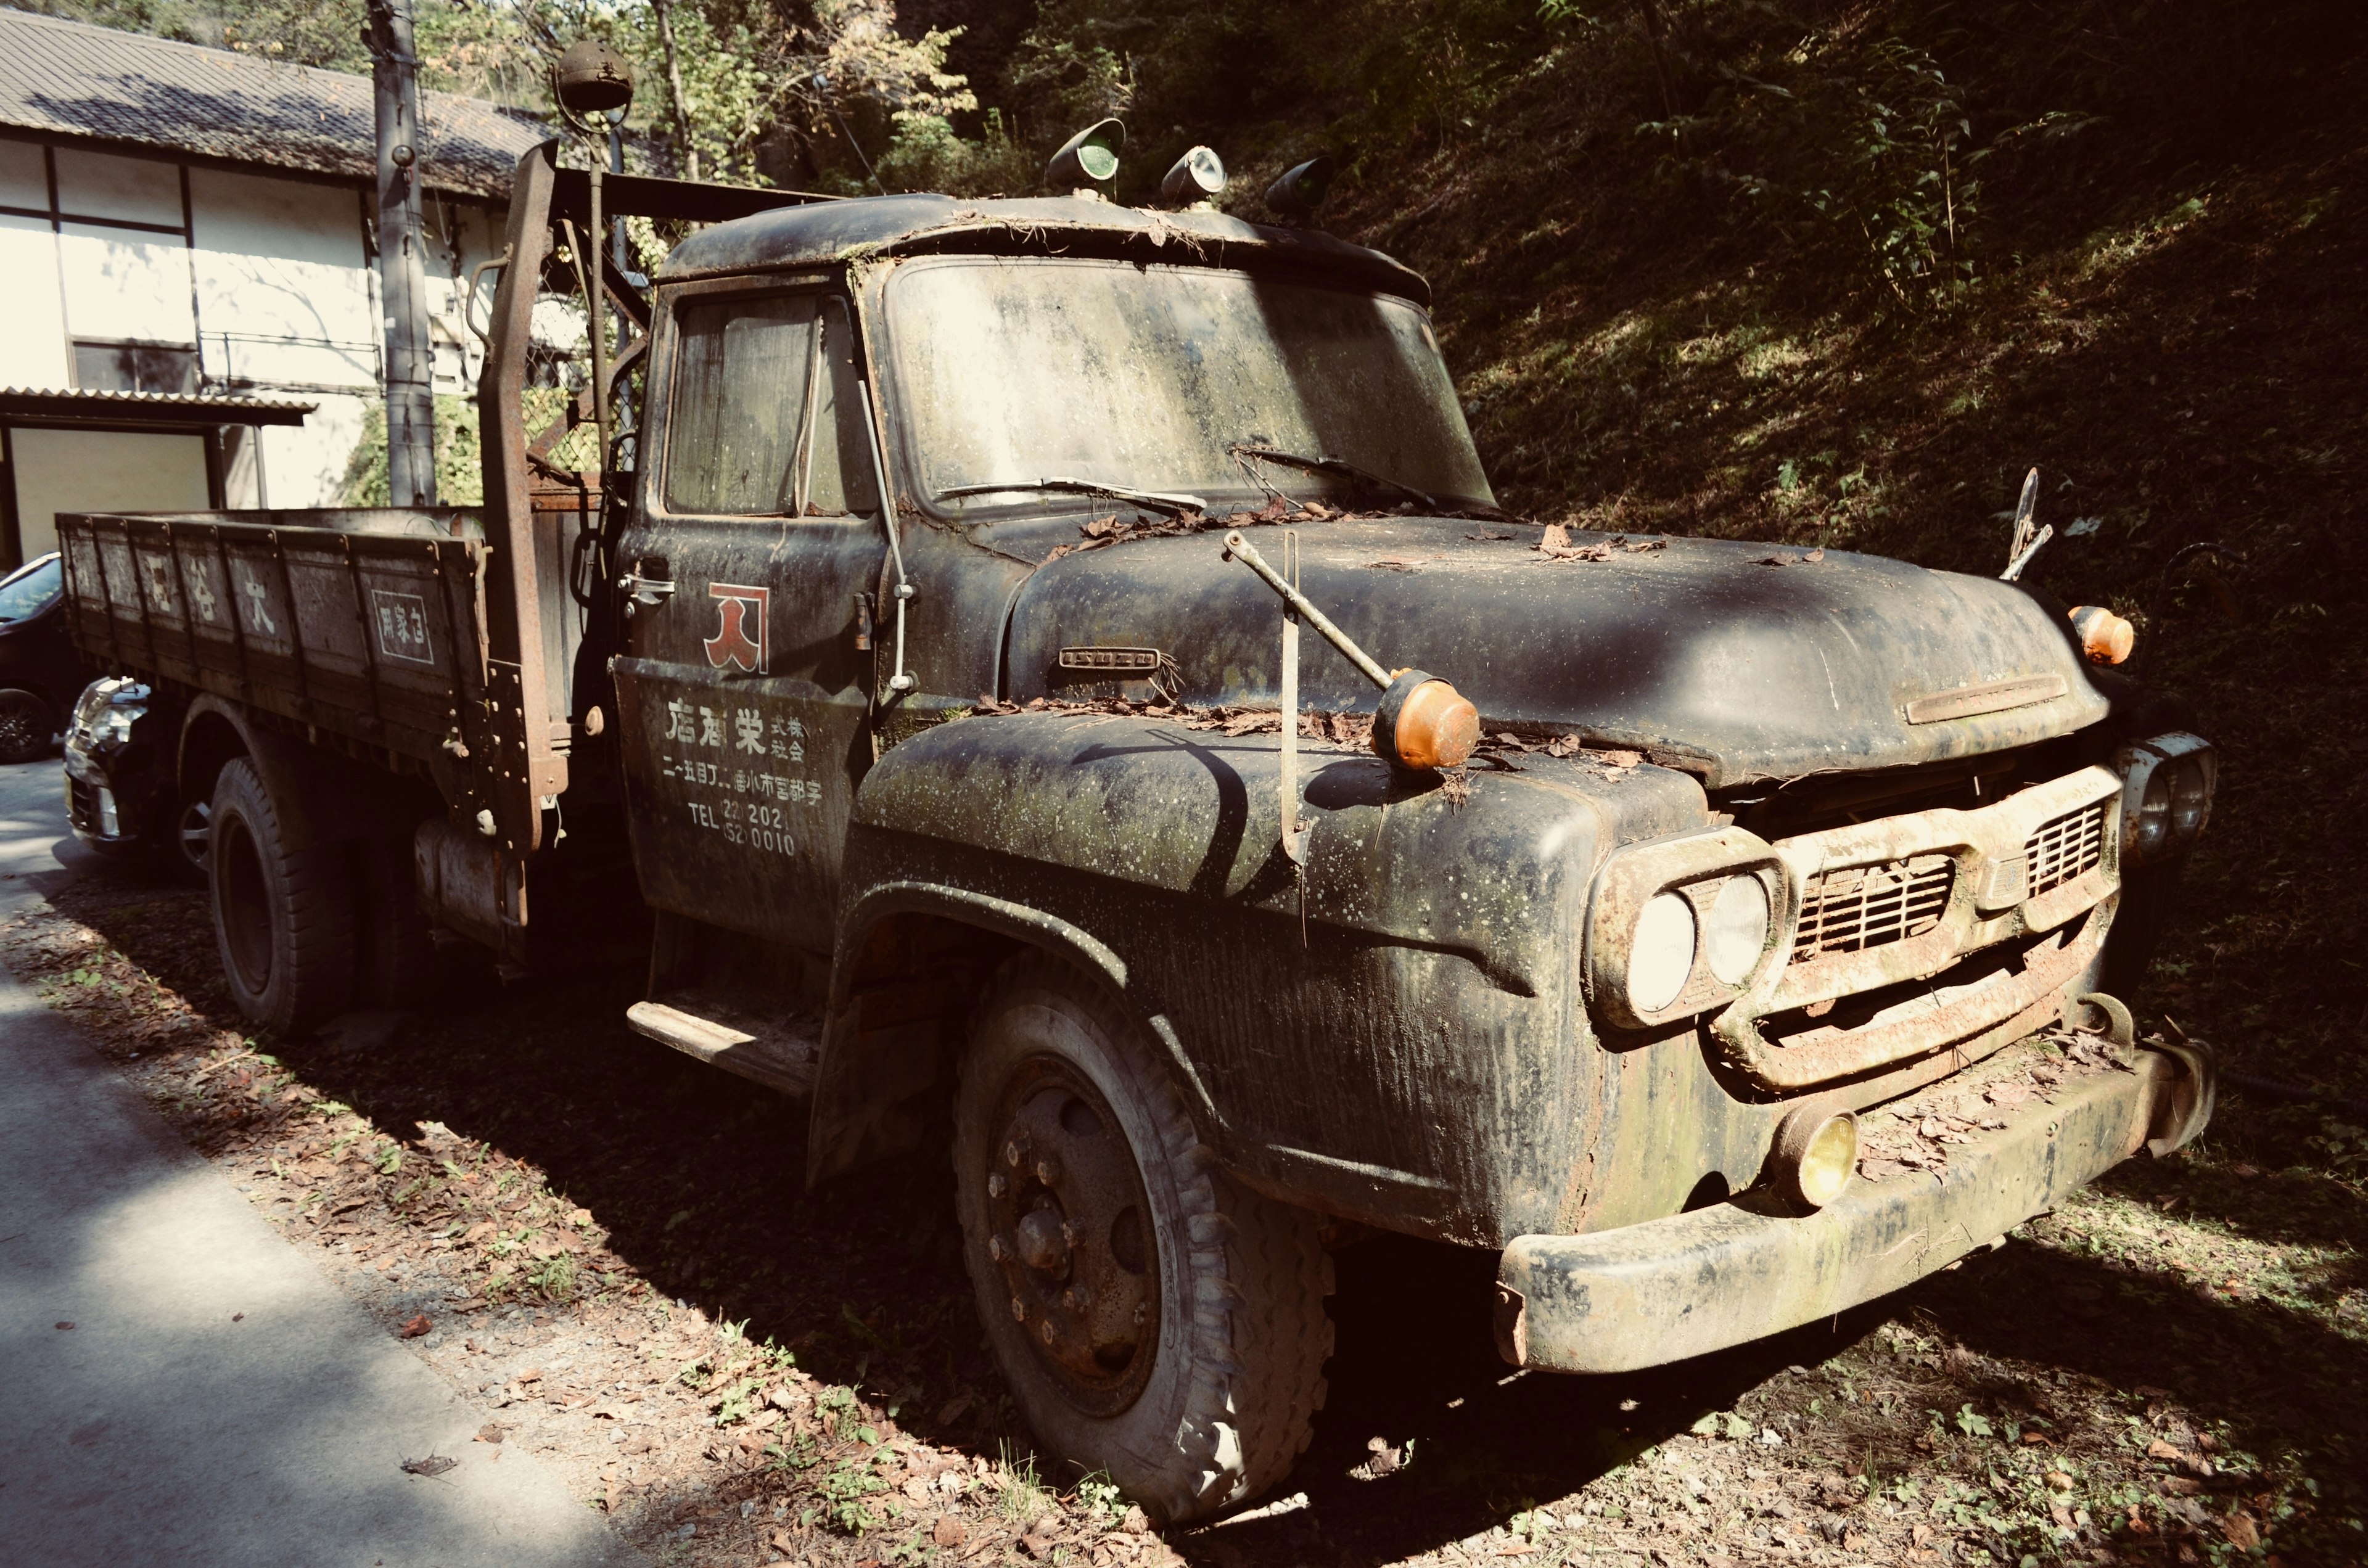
{"x":780,"y":1053}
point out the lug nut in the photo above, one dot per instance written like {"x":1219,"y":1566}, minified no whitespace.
{"x":995,"y":1186}
{"x":1011,"y":1154}
{"x":1045,"y":1330}
{"x":996,"y":1250}
{"x":1018,"y":1310}
{"x":1077,"y":1298}
{"x":1048,"y":1170}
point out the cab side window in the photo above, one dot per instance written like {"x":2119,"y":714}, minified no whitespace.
{"x":766,"y":419}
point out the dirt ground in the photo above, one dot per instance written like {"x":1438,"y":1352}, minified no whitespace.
{"x":612,"y":1245}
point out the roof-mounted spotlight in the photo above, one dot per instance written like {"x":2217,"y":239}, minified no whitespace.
{"x":590,"y":78}
{"x":1086,"y":159}
{"x":1301,"y":189}
{"x":1198,"y":175}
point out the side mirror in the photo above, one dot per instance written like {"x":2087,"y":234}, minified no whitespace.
{"x":1198,"y":175}
{"x":1300,"y":190}
{"x":1088,"y":158}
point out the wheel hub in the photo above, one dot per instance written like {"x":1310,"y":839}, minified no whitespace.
{"x":1072,"y":1234}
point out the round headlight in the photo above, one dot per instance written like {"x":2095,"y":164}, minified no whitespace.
{"x":2148,"y":834}
{"x":2190,"y":799}
{"x":1816,"y":1154}
{"x":1736,"y":930}
{"x":1662,"y":954}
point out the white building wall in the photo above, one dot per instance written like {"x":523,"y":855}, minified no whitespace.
{"x":285,"y":310}
{"x":33,"y":343}
{"x":271,"y":278}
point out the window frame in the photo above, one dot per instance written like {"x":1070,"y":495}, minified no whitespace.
{"x":666,"y":364}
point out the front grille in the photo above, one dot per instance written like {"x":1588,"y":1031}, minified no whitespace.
{"x":1851,"y":908}
{"x":2071,"y":845}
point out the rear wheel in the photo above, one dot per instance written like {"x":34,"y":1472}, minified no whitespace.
{"x":1153,"y":1320}
{"x":25,"y":726}
{"x":284,"y":917}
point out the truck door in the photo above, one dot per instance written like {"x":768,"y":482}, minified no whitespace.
{"x":741,"y":693}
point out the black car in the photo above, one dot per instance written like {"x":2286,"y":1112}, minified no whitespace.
{"x":119,"y":793}
{"x":40,"y":671}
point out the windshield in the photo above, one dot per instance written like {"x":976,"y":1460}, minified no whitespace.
{"x":1143,"y":377}
{"x":28,"y":591}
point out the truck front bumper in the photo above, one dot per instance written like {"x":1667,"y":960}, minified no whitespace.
{"x":1661,"y":1292}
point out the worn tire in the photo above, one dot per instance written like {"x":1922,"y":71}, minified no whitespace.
{"x":394,"y":961}
{"x":1228,"y":1397}
{"x":27,"y":725}
{"x":284,"y":917}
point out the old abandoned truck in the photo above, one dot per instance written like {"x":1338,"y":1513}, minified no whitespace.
{"x":898,"y":649}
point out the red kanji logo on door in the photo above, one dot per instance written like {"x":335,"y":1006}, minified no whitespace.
{"x":739,"y":641}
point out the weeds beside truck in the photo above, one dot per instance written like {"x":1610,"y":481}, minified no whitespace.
{"x":894,"y":659}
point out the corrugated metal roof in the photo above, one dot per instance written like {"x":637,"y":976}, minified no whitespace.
{"x":148,"y":408}
{"x":71,"y":79}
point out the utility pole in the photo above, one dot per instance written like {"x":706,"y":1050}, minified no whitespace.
{"x":401,"y":264}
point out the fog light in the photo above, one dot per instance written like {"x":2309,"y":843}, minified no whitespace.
{"x":1661,"y":955}
{"x":1817,"y":1153}
{"x":1736,"y":930}
{"x":109,"y":825}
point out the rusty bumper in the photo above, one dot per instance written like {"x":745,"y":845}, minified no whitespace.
{"x":1649,"y":1294}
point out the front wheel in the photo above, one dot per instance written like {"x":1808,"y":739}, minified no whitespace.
{"x":1153,"y":1320}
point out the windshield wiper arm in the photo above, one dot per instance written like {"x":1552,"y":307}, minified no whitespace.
{"x":1332,"y":465}
{"x":1160,"y":498}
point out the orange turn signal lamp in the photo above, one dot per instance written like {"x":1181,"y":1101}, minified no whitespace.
{"x":1423,"y":723}
{"x":2105,"y":636}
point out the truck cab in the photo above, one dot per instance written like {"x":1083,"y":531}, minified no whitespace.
{"x":916,"y":647}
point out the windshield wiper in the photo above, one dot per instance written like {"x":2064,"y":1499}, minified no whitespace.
{"x":1159,"y":498}
{"x":1332,"y":465}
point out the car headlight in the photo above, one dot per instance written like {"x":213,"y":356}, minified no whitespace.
{"x":1679,"y":926}
{"x":107,"y":710}
{"x":1662,"y":954}
{"x":2166,"y":787}
{"x":2151,"y":830}
{"x":1735,"y":932}
{"x":2190,"y":799}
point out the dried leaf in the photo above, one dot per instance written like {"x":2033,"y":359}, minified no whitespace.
{"x":417,"y":1327}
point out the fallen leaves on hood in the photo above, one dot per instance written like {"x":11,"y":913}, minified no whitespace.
{"x":1554,"y":545}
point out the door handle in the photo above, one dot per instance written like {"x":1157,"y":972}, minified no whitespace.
{"x":650,"y":591}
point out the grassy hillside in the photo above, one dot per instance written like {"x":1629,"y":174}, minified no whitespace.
{"x":2155,"y":301}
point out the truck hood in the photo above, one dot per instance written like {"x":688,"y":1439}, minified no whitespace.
{"x":1735,"y":661}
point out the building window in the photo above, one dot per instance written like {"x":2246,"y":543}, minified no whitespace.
{"x":134,"y":366}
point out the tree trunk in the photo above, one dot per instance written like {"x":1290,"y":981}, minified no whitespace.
{"x":665,"y":11}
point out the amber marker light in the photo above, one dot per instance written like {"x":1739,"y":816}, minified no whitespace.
{"x":1423,"y":723}
{"x":1815,"y":1154}
{"x":2105,"y":636}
